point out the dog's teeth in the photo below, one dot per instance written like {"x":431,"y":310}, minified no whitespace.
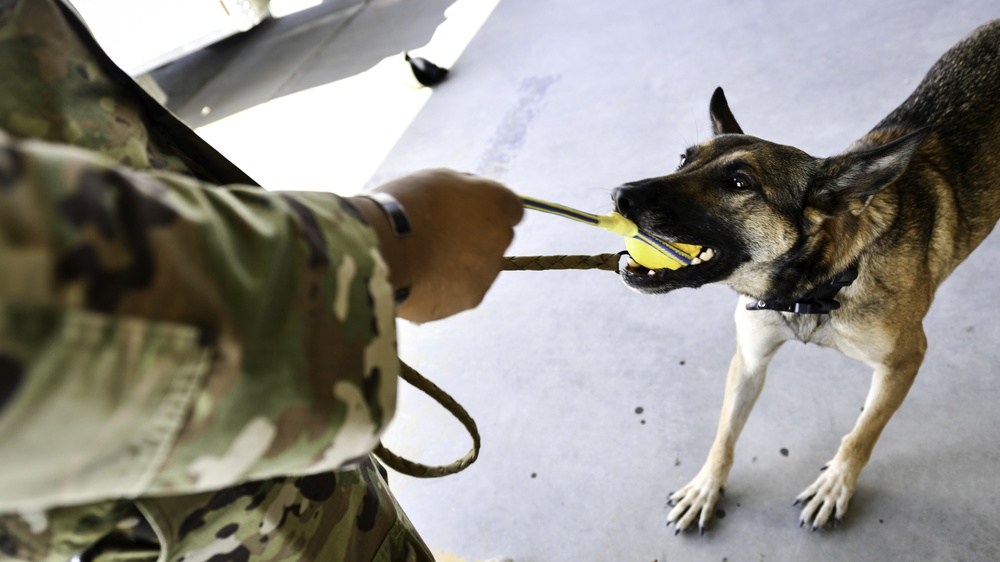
{"x":652,"y":273}
{"x":707,"y":254}
{"x":695,"y":261}
{"x":632,"y":262}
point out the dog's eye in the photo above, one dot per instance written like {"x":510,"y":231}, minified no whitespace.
{"x":740,"y":183}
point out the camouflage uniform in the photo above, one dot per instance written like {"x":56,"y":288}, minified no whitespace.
{"x":187,"y":371}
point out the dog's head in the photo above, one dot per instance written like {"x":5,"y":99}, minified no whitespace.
{"x":775,"y":219}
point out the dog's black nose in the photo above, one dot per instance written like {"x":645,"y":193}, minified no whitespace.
{"x":624,"y":198}
{"x":621,"y":199}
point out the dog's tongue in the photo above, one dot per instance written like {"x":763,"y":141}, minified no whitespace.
{"x":652,"y":257}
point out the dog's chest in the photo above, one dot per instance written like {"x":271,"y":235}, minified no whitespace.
{"x":808,"y":328}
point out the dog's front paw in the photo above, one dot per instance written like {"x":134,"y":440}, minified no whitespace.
{"x":695,"y":501}
{"x":825,"y":501}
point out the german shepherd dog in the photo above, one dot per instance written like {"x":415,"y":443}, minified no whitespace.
{"x":845,"y":251}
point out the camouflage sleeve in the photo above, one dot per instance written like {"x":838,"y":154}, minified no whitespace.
{"x":160,"y":335}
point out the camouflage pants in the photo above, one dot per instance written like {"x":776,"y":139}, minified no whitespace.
{"x":71,"y":94}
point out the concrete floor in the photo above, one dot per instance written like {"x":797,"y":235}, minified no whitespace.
{"x":595,"y":402}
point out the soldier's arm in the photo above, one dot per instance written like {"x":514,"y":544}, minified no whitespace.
{"x":161,"y":335}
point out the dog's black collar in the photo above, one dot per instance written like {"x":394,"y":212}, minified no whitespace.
{"x":819,"y":301}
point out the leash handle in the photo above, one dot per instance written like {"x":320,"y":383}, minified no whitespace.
{"x":418,"y":470}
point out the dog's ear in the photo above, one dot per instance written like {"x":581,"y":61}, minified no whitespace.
{"x":723,"y":121}
{"x":848,"y":182}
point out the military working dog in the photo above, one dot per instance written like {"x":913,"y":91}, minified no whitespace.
{"x":845,"y":251}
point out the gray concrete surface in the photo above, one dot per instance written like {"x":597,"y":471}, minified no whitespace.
{"x":595,"y":402}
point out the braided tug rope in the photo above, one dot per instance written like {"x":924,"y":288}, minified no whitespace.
{"x":605,"y":262}
{"x":645,"y":249}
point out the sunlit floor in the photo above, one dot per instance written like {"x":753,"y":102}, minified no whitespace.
{"x":595,"y":402}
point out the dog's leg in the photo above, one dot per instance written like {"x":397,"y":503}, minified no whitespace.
{"x":758,"y":337}
{"x":831,"y":493}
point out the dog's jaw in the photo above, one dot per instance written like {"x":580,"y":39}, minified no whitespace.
{"x":716,"y":268}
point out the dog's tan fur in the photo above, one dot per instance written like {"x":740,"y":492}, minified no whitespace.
{"x":905,"y":204}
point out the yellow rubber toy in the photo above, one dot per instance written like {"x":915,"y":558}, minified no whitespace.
{"x":654,"y":258}
{"x":647,"y":250}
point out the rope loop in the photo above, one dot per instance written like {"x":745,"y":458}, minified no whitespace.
{"x":418,"y":470}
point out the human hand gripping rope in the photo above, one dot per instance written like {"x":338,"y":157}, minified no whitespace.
{"x":642,"y":248}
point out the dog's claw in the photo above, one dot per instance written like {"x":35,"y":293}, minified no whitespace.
{"x":803,"y":501}
{"x":677,"y":531}
{"x":671,"y":500}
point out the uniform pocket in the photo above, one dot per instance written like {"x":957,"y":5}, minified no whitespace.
{"x":94,"y":405}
